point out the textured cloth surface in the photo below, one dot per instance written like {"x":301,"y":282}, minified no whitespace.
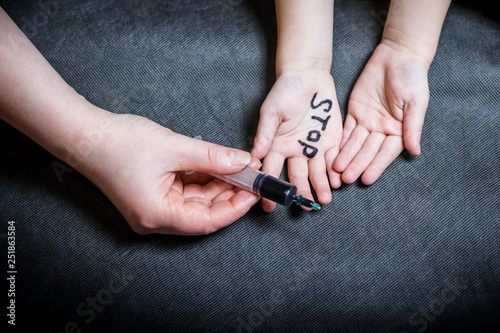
{"x":431,"y":261}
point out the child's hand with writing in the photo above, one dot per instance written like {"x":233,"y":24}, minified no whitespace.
{"x":300,"y":121}
{"x":300,"y":118}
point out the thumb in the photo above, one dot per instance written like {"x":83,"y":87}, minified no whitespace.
{"x":196,"y":155}
{"x":413,"y":121}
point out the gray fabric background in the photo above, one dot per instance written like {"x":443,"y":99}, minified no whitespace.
{"x":204,"y":68}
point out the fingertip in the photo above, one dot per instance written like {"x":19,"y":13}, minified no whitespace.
{"x":415,"y":150}
{"x":390,"y":149}
{"x":372,"y":173}
{"x":339,"y":165}
{"x":255,"y":163}
{"x":348,"y":178}
{"x":248,"y":198}
{"x":252,"y":199}
{"x":239,"y":158}
{"x":335,"y":179}
{"x":215,"y":159}
{"x":412,"y":144}
{"x":225,"y":212}
{"x":259,"y":150}
{"x":368,"y":178}
{"x":268,"y":205}
{"x":324,"y":197}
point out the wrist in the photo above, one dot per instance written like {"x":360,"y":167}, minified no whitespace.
{"x":91,"y":126}
{"x":305,"y":35}
{"x":414,"y":26}
{"x":424,"y":51}
{"x":300,"y":65}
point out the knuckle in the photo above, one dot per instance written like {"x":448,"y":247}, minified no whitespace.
{"x":206,"y":225}
{"x":207,"y":230}
{"x":214,"y":154}
{"x":139,"y":229}
{"x":143,"y":225}
{"x":267,"y":108}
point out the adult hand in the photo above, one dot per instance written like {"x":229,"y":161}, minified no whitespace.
{"x":140,"y":166}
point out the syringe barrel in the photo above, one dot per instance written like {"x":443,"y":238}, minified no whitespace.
{"x":244,"y":179}
{"x":264,"y":185}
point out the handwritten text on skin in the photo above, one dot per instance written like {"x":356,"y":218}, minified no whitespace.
{"x":313,"y":136}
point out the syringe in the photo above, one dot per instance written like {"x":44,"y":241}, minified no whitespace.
{"x":268,"y":187}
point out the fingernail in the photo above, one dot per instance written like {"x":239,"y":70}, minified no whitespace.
{"x":239,"y":158}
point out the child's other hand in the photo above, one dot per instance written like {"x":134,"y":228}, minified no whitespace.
{"x":140,"y":166}
{"x":386,"y":112}
{"x":300,"y":121}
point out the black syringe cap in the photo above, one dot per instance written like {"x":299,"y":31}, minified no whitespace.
{"x":275,"y":189}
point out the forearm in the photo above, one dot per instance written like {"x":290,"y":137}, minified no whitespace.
{"x":305,"y":33}
{"x":415,"y":26}
{"x":35,"y":99}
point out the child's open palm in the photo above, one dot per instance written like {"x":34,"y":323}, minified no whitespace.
{"x":385,"y":114}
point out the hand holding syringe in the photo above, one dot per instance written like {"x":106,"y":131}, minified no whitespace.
{"x":272,"y":188}
{"x":268,"y":187}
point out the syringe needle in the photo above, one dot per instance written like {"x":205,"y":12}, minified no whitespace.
{"x":326,"y":210}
